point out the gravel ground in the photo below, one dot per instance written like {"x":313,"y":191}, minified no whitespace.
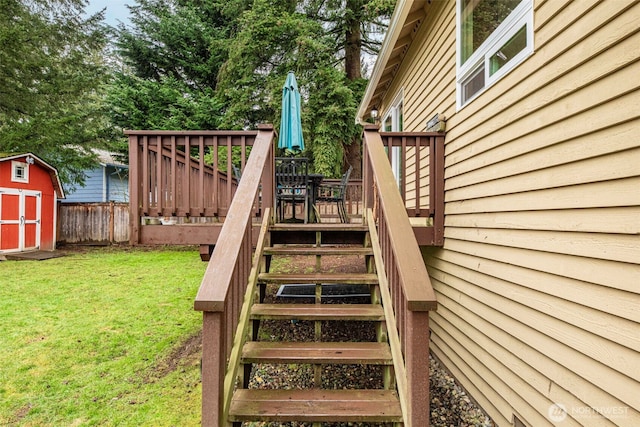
{"x":450,"y":405}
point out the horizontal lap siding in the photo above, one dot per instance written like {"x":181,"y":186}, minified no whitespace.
{"x":411,"y":172}
{"x":538,"y":282}
{"x":91,"y":192}
{"x":118,"y":184}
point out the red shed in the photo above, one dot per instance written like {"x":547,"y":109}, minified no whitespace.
{"x":29,"y":190}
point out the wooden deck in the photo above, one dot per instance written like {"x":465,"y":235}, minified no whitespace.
{"x":179,"y":177}
{"x":170,"y":180}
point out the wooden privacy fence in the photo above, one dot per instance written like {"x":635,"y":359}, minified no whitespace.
{"x":93,"y":223}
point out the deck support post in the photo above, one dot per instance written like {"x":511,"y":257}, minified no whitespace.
{"x":417,"y":351}
{"x":213,"y":369}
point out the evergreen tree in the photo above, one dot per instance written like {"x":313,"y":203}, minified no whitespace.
{"x":322,"y":42}
{"x":52,"y":78}
{"x":356,"y":27}
{"x":171,"y":57}
{"x":222,"y":64}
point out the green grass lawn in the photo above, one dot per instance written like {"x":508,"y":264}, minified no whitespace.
{"x":101,"y":337}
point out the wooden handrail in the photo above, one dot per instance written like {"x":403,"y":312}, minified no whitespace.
{"x":242,"y":330}
{"x":393,"y":218}
{"x":191,"y":132}
{"x":225,"y":282}
{"x":409,"y":287}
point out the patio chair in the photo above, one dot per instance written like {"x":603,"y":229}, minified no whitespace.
{"x":237,"y":173}
{"x":336,"y":194}
{"x":292,"y":180}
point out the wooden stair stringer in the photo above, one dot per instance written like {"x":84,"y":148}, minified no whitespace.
{"x":392,"y":328}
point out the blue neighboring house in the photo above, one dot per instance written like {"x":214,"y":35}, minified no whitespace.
{"x":107,"y":183}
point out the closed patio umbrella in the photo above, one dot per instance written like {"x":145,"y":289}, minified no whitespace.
{"x":290,"y":123}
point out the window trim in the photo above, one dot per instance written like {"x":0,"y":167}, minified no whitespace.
{"x":397,"y":124}
{"x":522,"y":15}
{"x":15,"y":165}
{"x":392,"y":114}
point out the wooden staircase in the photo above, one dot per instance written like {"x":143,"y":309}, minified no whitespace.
{"x":312,"y":401}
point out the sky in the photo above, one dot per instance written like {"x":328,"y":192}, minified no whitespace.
{"x":116,"y":10}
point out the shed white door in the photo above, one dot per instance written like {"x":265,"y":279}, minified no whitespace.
{"x":20,"y":219}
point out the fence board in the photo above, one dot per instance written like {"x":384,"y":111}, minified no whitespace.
{"x":93,"y":223}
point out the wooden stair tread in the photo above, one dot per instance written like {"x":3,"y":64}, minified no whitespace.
{"x":321,"y":250}
{"x":300,"y":278}
{"x":362,"y":312}
{"x":315,"y":405}
{"x":355,"y":353}
{"x":318,"y":227}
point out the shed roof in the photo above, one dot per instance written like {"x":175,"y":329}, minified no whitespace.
{"x":108,"y":158}
{"x":53,"y":172}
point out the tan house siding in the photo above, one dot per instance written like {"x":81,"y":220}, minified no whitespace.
{"x":411,"y":194}
{"x":434,"y":67}
{"x":538,"y":282}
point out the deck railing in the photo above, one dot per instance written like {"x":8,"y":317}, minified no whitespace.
{"x":182,"y":178}
{"x":419,"y":161}
{"x":407,"y":281}
{"x":226,"y":279}
{"x":185,"y":177}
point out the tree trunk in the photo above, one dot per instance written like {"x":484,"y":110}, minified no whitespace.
{"x":353,"y":40}
{"x":353,"y":70}
{"x":353,"y":157}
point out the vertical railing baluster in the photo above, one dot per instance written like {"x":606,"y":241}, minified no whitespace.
{"x":432,"y":177}
{"x":174,"y":164}
{"x":216,"y":176}
{"x":402,"y":169}
{"x":201,"y":172}
{"x":438,"y":221}
{"x":186,"y":179}
{"x":243,"y":152}
{"x":146,"y":189}
{"x":159,"y":177}
{"x":229,"y":190}
{"x":418,"y":174}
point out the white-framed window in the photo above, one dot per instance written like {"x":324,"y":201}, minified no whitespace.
{"x":19,"y":172}
{"x":493,"y":37}
{"x":393,"y":122}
